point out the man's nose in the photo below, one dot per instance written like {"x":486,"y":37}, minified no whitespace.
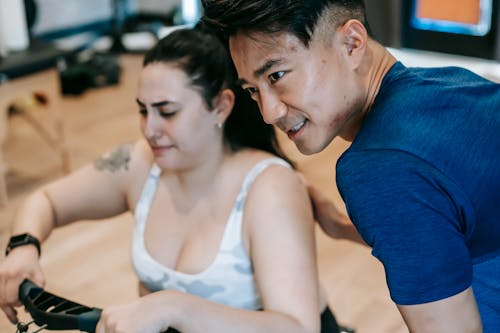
{"x":271,"y":107}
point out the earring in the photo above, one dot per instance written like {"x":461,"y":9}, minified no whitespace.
{"x":219,"y":125}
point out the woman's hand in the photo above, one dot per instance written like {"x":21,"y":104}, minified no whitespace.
{"x":21,"y":263}
{"x":148,"y":314}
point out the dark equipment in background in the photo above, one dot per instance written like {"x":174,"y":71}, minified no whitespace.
{"x":88,"y":70}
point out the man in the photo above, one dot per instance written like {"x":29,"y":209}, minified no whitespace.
{"x":421,"y":179}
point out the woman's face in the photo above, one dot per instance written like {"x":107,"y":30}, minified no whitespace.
{"x":179,"y":128}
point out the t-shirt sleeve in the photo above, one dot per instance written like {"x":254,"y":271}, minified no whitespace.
{"x":414,"y":219}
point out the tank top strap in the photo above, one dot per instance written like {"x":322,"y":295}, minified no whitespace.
{"x":256,"y":170}
{"x":233,"y":234}
{"x":147,"y":195}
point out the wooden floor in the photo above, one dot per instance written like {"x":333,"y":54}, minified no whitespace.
{"x":89,"y":262}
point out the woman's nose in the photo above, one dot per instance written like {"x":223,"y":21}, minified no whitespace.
{"x":151,"y":128}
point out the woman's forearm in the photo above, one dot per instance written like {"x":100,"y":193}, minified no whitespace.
{"x":195,"y":314}
{"x":35,"y":215}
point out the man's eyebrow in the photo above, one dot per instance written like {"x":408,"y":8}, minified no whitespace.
{"x":261,"y":70}
{"x":241,"y":82}
{"x":267,"y":66}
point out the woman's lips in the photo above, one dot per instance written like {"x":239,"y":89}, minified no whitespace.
{"x":160,"y":149}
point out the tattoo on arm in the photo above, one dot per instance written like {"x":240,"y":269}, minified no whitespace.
{"x":117,"y":159}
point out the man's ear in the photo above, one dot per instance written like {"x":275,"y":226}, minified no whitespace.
{"x":223,"y":105}
{"x":355,"y":40}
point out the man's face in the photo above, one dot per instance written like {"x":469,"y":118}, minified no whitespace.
{"x":307,"y":92}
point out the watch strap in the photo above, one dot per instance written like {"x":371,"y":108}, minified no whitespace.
{"x":21,"y":240}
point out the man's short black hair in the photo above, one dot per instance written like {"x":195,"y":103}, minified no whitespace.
{"x":298,"y":17}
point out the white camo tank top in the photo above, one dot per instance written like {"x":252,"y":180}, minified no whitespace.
{"x":229,"y":280}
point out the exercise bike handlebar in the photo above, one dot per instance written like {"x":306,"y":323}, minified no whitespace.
{"x":57,"y":313}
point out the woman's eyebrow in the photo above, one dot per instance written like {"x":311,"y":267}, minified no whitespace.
{"x":156,"y":104}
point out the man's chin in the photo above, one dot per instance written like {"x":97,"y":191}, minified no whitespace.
{"x":307,"y":149}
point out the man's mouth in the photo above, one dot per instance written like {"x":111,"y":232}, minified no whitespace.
{"x":294,"y":132}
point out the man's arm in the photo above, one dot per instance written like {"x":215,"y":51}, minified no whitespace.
{"x":333,"y":222}
{"x":455,"y":314}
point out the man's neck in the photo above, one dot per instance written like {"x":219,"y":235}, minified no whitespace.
{"x":381,"y":62}
{"x":378,"y":62}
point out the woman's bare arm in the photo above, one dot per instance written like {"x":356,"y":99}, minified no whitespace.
{"x":280,"y":226}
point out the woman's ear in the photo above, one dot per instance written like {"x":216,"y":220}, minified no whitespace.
{"x":223,"y":106}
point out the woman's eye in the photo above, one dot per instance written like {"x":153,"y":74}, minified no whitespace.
{"x":164,"y":114}
{"x":274,"y":77}
{"x":167,"y":114}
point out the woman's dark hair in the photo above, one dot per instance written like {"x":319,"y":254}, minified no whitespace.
{"x":298,"y":17}
{"x":206,"y":62}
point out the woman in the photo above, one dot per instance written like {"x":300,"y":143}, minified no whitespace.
{"x":223,"y":226}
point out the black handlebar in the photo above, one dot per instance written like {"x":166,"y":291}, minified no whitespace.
{"x":57,"y":313}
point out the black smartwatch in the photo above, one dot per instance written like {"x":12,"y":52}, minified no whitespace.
{"x":20,"y":240}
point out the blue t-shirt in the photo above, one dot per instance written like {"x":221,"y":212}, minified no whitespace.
{"x":421,"y":182}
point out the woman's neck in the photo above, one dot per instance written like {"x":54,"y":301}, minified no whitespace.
{"x":198,"y":181}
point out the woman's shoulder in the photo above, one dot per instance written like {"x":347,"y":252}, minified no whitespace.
{"x":249,"y":158}
{"x":126,"y":161}
{"x":276,"y":198}
{"x":141,"y":153}
{"x":137,"y":163}
{"x":272,"y":174}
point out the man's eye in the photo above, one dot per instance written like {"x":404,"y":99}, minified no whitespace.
{"x":274,"y":77}
{"x":251,"y":90}
{"x":143,"y":112}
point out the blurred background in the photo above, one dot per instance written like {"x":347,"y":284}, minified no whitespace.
{"x":68,"y":75}
{"x":46,"y":29}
